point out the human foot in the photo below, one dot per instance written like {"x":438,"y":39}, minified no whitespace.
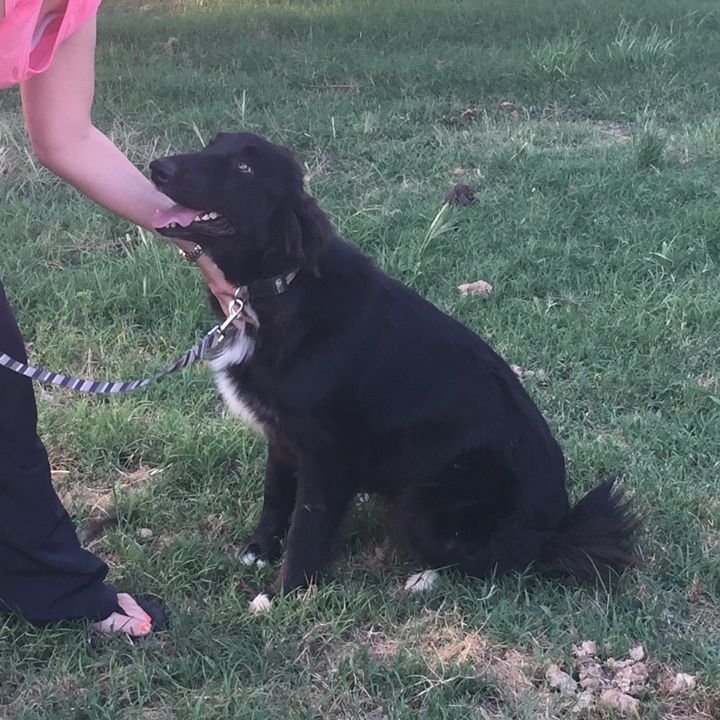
{"x":129,"y":619}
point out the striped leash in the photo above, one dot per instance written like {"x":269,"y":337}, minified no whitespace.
{"x":104,"y":387}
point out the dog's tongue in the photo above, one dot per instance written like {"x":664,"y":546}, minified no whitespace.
{"x":176,"y":214}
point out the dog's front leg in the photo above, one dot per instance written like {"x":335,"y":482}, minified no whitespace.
{"x":324,"y":493}
{"x":278,"y":501}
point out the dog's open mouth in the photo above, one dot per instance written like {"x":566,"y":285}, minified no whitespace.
{"x":181,"y":222}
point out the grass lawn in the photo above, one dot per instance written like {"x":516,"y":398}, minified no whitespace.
{"x":590,"y":134}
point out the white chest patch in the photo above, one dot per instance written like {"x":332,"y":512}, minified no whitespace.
{"x":239,"y":349}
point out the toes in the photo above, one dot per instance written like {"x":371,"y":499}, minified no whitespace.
{"x":117,"y":623}
{"x":362,"y":499}
{"x":249,"y":558}
{"x":130,"y":607}
{"x":261,"y":604}
{"x":420,"y":582}
{"x":252,"y":556}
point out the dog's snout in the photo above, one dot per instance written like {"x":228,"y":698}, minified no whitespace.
{"x":162,"y":171}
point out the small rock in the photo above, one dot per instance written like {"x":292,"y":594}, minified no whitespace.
{"x":591,"y":676}
{"x":261,"y":604}
{"x":560,"y":680}
{"x":587,"y":648}
{"x":617,"y":665}
{"x":682,"y":683}
{"x":145,"y":533}
{"x":461,"y":194}
{"x":522,"y":373}
{"x":479,"y":287}
{"x":626,"y":704}
{"x":583,"y":702}
{"x":637,"y":653}
{"x":169,"y":44}
{"x":632,"y":678}
{"x":420,"y":582}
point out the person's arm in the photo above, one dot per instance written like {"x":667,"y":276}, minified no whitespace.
{"x":57,"y":105}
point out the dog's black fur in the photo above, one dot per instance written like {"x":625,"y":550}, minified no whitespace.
{"x":361,"y":385}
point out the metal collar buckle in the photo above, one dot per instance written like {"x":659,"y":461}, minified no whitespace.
{"x":235,"y":309}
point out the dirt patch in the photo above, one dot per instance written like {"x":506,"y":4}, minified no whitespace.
{"x":36,"y":696}
{"x":147,"y":713}
{"x":101,"y":504}
{"x":594,"y":684}
{"x":708,"y":382}
{"x":437,"y":648}
{"x":612,"y":132}
{"x":443,"y":642}
{"x":216,"y":527}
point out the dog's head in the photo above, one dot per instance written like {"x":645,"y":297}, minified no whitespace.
{"x":241,"y":198}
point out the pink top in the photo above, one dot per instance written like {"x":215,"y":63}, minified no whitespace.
{"x":22,"y":52}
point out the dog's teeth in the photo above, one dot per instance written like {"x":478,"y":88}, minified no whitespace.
{"x":173,"y":225}
{"x":213,"y":215}
{"x":205,"y":217}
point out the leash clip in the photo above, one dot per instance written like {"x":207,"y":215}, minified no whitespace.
{"x":235,"y":309}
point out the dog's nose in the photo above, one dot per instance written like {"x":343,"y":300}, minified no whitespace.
{"x":162,"y":171}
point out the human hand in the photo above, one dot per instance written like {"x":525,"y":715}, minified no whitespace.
{"x":218,"y":285}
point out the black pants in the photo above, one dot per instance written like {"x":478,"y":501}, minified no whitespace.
{"x":44,"y":573}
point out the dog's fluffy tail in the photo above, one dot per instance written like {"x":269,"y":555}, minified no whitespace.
{"x":596,"y":539}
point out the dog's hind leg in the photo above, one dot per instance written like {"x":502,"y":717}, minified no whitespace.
{"x":279,"y":499}
{"x":442,"y":540}
{"x":419,"y":533}
{"x":451,"y":520}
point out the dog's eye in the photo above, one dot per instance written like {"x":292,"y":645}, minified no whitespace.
{"x":242,"y":166}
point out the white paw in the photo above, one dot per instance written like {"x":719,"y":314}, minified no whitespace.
{"x":362,"y":499}
{"x":420,"y":582}
{"x":250,"y":558}
{"x":261,"y":604}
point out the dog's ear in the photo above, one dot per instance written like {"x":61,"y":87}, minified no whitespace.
{"x":303,"y":232}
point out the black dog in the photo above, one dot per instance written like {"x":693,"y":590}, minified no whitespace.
{"x":362,"y":386}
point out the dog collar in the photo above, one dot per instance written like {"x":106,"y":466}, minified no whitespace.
{"x":269,"y":287}
{"x":238,"y":307}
